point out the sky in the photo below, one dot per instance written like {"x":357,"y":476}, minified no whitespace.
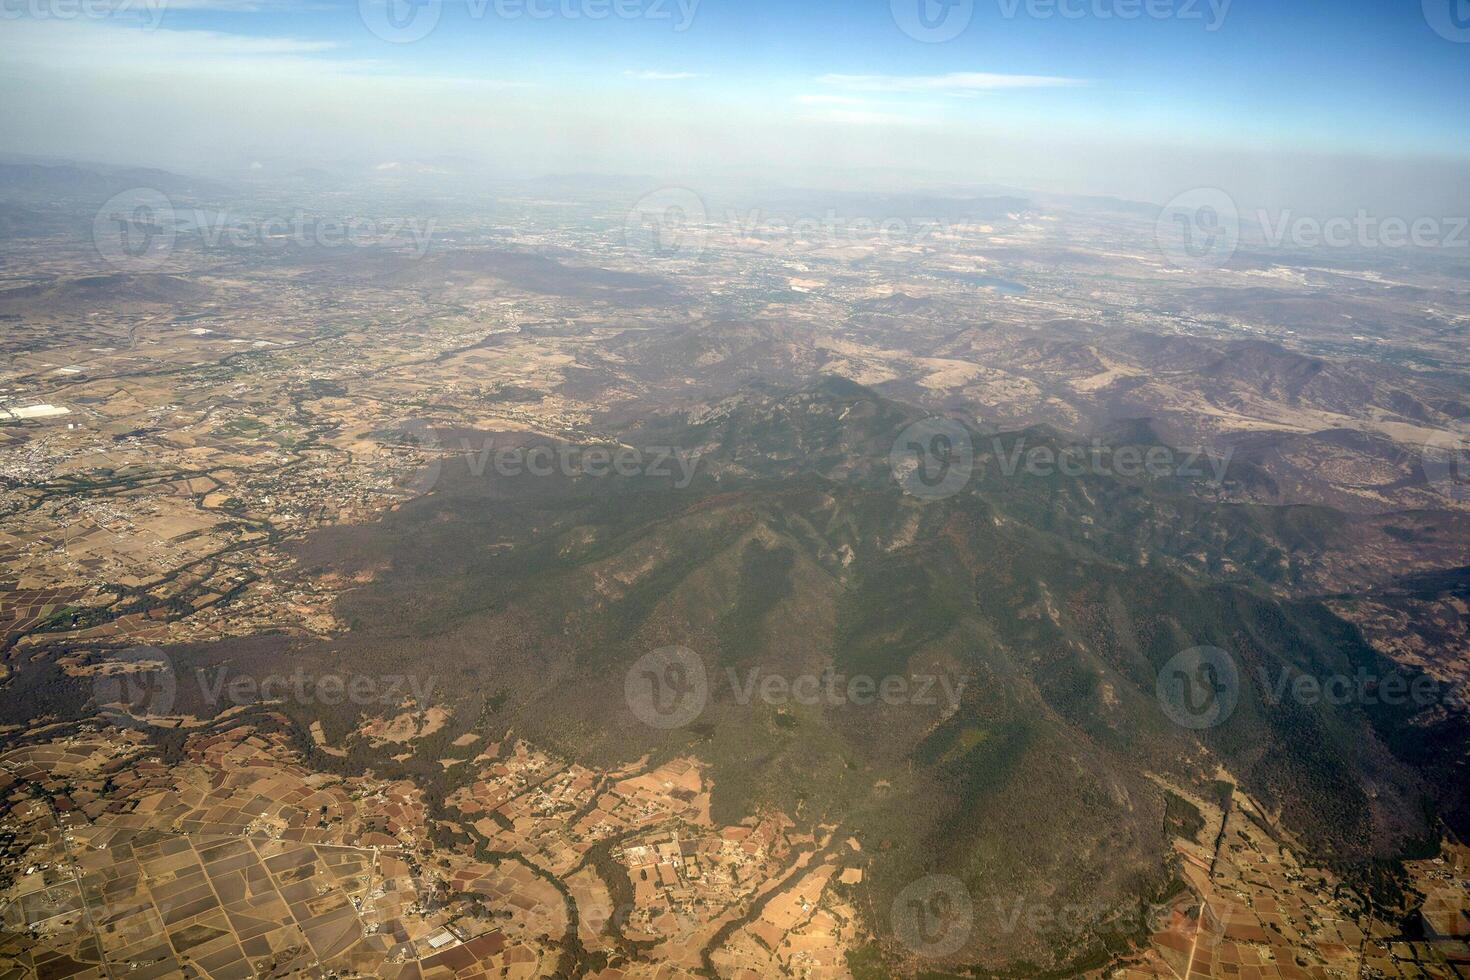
{"x":1319,"y":104}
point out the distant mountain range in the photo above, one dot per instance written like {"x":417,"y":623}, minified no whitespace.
{"x":61,"y":184}
{"x":1045,"y":609}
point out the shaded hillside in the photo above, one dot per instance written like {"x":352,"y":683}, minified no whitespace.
{"x":1037,"y":605}
{"x":794,"y":552}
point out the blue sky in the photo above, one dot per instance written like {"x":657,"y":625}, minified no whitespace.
{"x":1369,"y":75}
{"x":1019,"y":88}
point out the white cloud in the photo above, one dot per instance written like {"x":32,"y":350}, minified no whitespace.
{"x":214,"y":102}
{"x":830,"y":100}
{"x":661,"y":76}
{"x":846,"y":110}
{"x":863,"y":117}
{"x":89,"y":45}
{"x":954,"y":83}
{"x":93,"y":49}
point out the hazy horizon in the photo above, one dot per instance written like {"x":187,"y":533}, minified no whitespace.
{"x":1323,"y":111}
